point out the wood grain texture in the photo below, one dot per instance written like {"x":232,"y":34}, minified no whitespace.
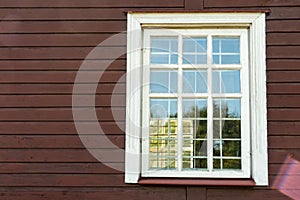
{"x":60,"y":114}
{"x":145,"y":193}
{"x":248,"y":194}
{"x":58,"y":128}
{"x":89,"y":3}
{"x":246,"y":3}
{"x":63,"y":65}
{"x":61,"y":89}
{"x":56,"y":101}
{"x":61,"y":141}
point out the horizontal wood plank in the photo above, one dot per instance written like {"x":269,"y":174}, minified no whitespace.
{"x":285,"y":26}
{"x":286,"y":142}
{"x":61,"y":89}
{"x":60,"y":114}
{"x":62,"y":26}
{"x":104,"y":53}
{"x":59,"y":128}
{"x":105,"y":156}
{"x":280,"y":156}
{"x":48,"y":101}
{"x":283,"y":101}
{"x":283,"y":76}
{"x":58,"y":168}
{"x":284,"y":114}
{"x":52,"y":40}
{"x":245,"y":3}
{"x":61,"y":77}
{"x":283,"y":39}
{"x":284,"y":88}
{"x":284,"y":128}
{"x":145,"y":193}
{"x":283,"y":64}
{"x":89,"y":3}
{"x":247,"y":194}
{"x":61,"y":141}
{"x":283,"y":52}
{"x":279,"y":169}
{"x":284,"y":13}
{"x":62,"y":65}
{"x":62,"y":14}
{"x":61,"y":180}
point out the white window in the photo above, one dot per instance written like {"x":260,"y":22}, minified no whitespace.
{"x":196,"y":96}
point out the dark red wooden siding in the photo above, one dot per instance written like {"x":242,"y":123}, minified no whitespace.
{"x":43,"y":44}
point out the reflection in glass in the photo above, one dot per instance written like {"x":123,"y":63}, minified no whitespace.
{"x":163,"y":81}
{"x":231,"y":148}
{"x":227,"y":108}
{"x":164,"y":50}
{"x":163,"y":133}
{"x":226,"y":50}
{"x":227,"y":133}
{"x":195,"y":50}
{"x":226,"y":81}
{"x":194,"y":81}
{"x":163,"y":108}
{"x":232,"y":164}
{"x":192,"y":108}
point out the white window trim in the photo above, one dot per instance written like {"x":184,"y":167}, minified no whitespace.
{"x":257,"y":72}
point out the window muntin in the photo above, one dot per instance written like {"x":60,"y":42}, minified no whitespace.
{"x":199,"y":87}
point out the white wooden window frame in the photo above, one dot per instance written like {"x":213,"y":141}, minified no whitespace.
{"x":255,"y":22}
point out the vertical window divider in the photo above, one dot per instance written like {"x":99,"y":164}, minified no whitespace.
{"x":179,"y":117}
{"x":209,"y":106}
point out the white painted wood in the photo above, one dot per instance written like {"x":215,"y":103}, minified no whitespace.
{"x":133,"y":101}
{"x":257,"y":76}
{"x":258,"y":101}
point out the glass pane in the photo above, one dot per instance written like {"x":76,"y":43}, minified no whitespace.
{"x":159,"y":44}
{"x":189,"y":108}
{"x":163,"y":81}
{"x":201,"y":108}
{"x":195,"y":45}
{"x":227,"y":108}
{"x":232,"y":164}
{"x":189,"y":45}
{"x":216,"y":128}
{"x":226,"y":50}
{"x":164,"y":50}
{"x":231,"y":129}
{"x":230,"y":59}
{"x":188,"y":59}
{"x":231,"y":108}
{"x":200,"y":148}
{"x":217,"y":148}
{"x":230,"y":45}
{"x":187,"y":128}
{"x":226,"y":81}
{"x":159,"y":58}
{"x":231,"y":148}
{"x":201,"y":129}
{"x":163,"y":108}
{"x":201,"y":59}
{"x":216,"y":164}
{"x":194,"y":81}
{"x":194,"y":50}
{"x":174,"y":59}
{"x":194,"y":163}
{"x":216,"y":45}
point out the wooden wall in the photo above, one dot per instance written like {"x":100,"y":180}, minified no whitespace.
{"x":43,"y":44}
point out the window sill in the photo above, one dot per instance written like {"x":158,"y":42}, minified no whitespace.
{"x":195,"y":182}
